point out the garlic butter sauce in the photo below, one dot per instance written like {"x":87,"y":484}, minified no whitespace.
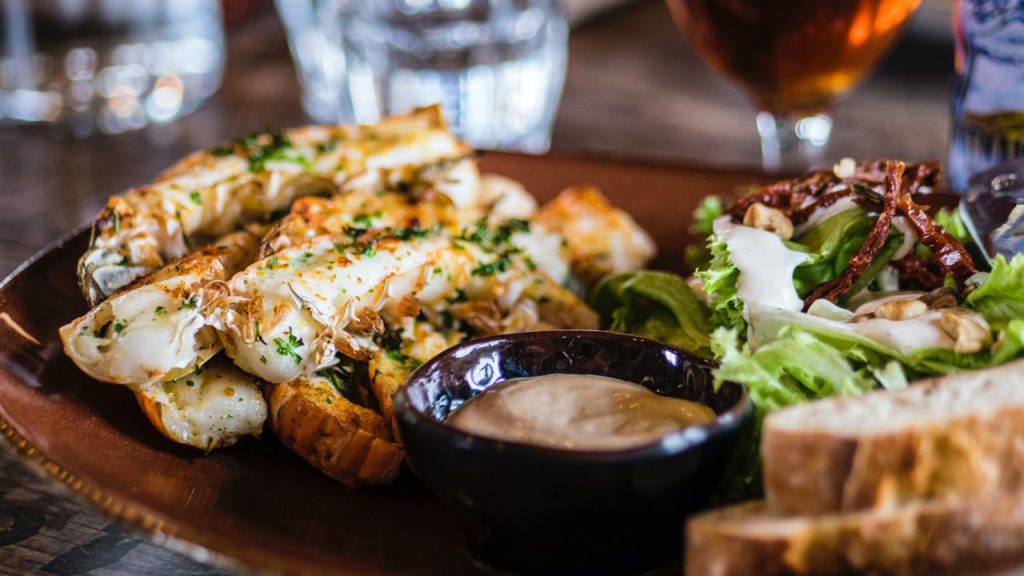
{"x":576,"y":412}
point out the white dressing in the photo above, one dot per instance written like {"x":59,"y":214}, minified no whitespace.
{"x":906,"y":336}
{"x":821,"y":214}
{"x":766,"y":266}
{"x":901,"y":336}
{"x":901,"y":224}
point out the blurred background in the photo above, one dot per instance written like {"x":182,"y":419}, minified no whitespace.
{"x":633,"y":88}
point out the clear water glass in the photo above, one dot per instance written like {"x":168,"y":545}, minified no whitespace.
{"x":107,"y":65}
{"x":496,"y":66}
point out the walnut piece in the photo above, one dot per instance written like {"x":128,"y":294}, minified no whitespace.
{"x":970,"y":333}
{"x":900,"y":309}
{"x":768,"y":219}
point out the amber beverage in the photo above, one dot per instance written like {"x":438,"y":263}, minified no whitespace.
{"x":793,"y":55}
{"x":795,"y":58}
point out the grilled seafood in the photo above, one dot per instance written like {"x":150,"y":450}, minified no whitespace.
{"x":215,"y":191}
{"x":390,"y":247}
{"x":157,"y":329}
{"x":211,"y":407}
{"x":601,"y":238}
{"x":290,"y":313}
{"x":316,"y":419}
{"x":411,"y":345}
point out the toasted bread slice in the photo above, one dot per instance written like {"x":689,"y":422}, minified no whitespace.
{"x":953,"y":436}
{"x":346,"y":441}
{"x":929,"y":537}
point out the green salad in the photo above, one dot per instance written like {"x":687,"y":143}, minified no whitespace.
{"x":835,"y":283}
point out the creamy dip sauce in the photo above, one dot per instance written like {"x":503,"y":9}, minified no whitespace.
{"x":576,"y":412}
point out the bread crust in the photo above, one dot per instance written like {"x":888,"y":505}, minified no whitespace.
{"x":933,"y":537}
{"x":815,"y":470}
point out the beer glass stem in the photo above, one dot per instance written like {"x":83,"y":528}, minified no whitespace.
{"x":793,"y":142}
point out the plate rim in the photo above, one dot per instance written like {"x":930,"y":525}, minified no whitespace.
{"x":133,"y":517}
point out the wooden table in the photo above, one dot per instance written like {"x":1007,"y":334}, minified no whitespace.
{"x":634,"y":89}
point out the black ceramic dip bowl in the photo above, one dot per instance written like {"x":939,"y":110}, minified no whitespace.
{"x":532,"y":509}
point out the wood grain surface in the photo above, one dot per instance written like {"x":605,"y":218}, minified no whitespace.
{"x":634,"y":89}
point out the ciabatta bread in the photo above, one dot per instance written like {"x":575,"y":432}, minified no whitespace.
{"x":954,"y":436}
{"x":950,"y":537}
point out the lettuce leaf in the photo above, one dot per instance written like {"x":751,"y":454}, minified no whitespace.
{"x":703,"y":226}
{"x":1000,"y":298}
{"x":1009,"y":345}
{"x":721,"y":283}
{"x":656,"y":305}
{"x":950,"y":220}
{"x":795,"y":368}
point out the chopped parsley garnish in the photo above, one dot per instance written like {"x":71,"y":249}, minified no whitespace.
{"x":271,"y":264}
{"x":119,"y":326}
{"x":117,"y":222}
{"x":263,"y":359}
{"x":189,"y":383}
{"x":341,"y":380}
{"x":160,"y":311}
{"x":407,"y":361}
{"x":258,"y":335}
{"x":189,"y":303}
{"x":366,"y":220}
{"x":196,"y":197}
{"x":288,"y":346}
{"x":262,"y":147}
{"x":270,"y":147}
{"x":493,"y":238}
{"x":460,"y":296}
{"x":404,"y":234}
{"x":501,"y":264}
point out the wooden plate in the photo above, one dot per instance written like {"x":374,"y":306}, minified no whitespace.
{"x":256,"y":505}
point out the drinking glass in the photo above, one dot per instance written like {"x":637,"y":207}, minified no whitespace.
{"x":795,"y":58}
{"x":496,"y":66}
{"x":112,"y":65}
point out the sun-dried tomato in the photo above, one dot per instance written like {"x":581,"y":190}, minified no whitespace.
{"x":787,"y":195}
{"x":917,"y":178}
{"x":948,"y":252}
{"x":916,"y":273}
{"x":836,"y":287}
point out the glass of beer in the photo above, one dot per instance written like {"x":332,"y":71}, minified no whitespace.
{"x":795,"y":58}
